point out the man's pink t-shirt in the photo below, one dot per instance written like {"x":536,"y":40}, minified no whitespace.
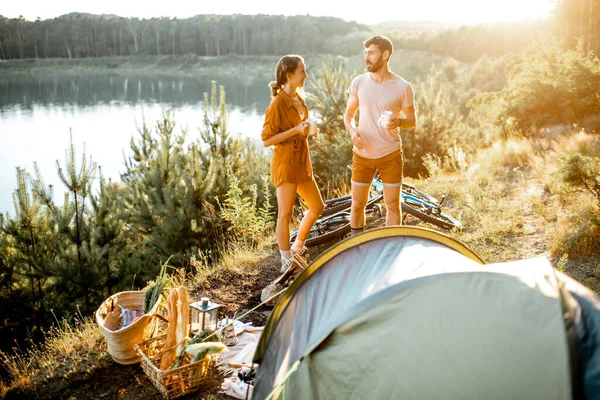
{"x":373,"y":98}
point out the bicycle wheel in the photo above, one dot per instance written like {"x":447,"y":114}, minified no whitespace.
{"x":441,"y":220}
{"x":336,"y":205}
{"x":326,"y":229}
{"x":338,"y":199}
{"x":412,"y":191}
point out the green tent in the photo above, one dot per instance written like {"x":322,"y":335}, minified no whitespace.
{"x":409,"y":313}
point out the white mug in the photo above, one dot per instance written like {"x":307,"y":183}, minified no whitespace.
{"x":385,"y":118}
{"x":312,"y":130}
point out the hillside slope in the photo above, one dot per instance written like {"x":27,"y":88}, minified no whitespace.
{"x":510,"y":209}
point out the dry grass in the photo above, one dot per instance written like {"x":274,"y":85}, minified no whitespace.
{"x":336,"y":187}
{"x":577,"y":234}
{"x":237,"y":257}
{"x":498,"y":198}
{"x":514,"y":203}
{"x":67,"y":350}
{"x":577,"y":231}
{"x":581,"y":142}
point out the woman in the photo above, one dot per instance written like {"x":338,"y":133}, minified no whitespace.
{"x":285,"y":127}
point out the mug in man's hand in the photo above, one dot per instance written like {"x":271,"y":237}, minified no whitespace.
{"x":385,"y":118}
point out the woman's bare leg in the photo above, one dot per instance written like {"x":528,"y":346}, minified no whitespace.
{"x":311,"y":195}
{"x":286,"y":195}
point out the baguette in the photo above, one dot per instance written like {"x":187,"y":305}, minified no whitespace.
{"x":179,"y":332}
{"x":171,"y":340}
{"x":185,"y":313}
{"x":182,"y":325}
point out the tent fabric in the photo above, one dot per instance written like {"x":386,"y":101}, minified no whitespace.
{"x":481,"y":344}
{"x":356,"y":273}
{"x":380,"y":233}
{"x":411,"y":313}
{"x":588,"y":335}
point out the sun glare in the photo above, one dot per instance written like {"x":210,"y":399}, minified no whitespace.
{"x":477,"y":11}
{"x":465,"y":11}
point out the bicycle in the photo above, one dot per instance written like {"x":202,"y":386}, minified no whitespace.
{"x":334,"y":222}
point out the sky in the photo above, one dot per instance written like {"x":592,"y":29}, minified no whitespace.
{"x":464,"y":11}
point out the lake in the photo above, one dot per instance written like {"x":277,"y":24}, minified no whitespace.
{"x":102,"y":111}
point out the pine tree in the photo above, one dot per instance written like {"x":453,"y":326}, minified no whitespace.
{"x":332,"y":152}
{"x":107,"y":232}
{"x":27,"y":243}
{"x":158,"y":201}
{"x":172,"y":191}
{"x":24,"y":230}
{"x":75,"y":269}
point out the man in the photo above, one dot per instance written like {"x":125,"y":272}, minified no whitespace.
{"x":378,"y":147}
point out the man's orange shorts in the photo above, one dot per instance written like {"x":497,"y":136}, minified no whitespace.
{"x":390,"y":167}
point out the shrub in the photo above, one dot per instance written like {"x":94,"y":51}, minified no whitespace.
{"x":248,"y":223}
{"x":438,"y":122}
{"x":547,"y":85}
{"x":578,"y":229}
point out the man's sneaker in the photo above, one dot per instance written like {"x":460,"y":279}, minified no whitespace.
{"x":301,"y":256}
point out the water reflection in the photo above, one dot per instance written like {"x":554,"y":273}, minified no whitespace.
{"x":103,"y":111}
{"x":88,"y":89}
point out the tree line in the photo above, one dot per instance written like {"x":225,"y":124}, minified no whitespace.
{"x":579,"y":20}
{"x":78,"y":35}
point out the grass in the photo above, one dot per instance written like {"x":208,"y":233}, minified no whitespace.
{"x":237,"y":258}
{"x":68,"y":350}
{"x":578,"y":232}
{"x":514,"y":205}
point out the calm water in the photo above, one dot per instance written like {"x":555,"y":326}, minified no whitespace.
{"x":102,"y":112}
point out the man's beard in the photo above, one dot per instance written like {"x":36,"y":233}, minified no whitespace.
{"x":375,"y":67}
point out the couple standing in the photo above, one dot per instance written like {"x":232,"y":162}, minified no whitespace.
{"x":375,"y":147}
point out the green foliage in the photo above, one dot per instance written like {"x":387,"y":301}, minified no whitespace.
{"x":50,"y":257}
{"x":579,"y":168}
{"x":107,"y":231}
{"x":332,"y":153}
{"x":158,"y":202}
{"x":583,"y":171}
{"x":248,"y":223}
{"x":60,"y":256}
{"x":75,"y":270}
{"x":154,"y":290}
{"x":172,"y":190}
{"x":546,"y":85}
{"x":439,"y":125}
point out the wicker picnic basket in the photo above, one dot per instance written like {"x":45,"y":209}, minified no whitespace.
{"x":121,"y":342}
{"x":176,"y":382}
